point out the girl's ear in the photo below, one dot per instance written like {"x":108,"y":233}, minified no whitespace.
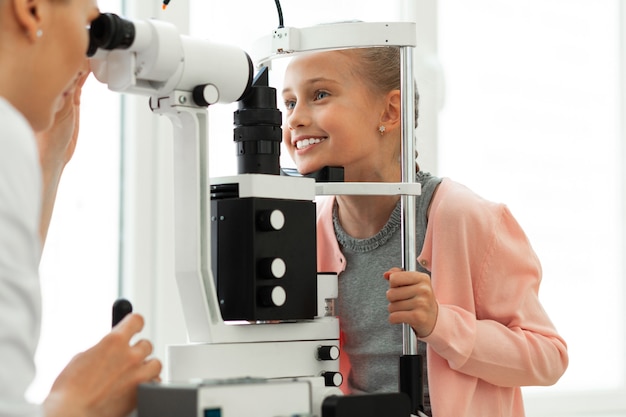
{"x":28,"y":17}
{"x":391,"y":116}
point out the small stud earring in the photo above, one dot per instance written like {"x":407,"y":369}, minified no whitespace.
{"x":39,"y":33}
{"x":381,"y":129}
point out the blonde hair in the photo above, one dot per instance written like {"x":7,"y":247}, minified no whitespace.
{"x":379,"y":67}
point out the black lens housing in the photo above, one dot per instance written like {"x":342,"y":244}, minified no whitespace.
{"x":258,"y":131}
{"x":109,"y":31}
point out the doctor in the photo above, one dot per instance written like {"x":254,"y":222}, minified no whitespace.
{"x":42,"y":67}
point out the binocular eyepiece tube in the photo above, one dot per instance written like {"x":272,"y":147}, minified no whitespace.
{"x":109,"y":31}
{"x":148,"y":56}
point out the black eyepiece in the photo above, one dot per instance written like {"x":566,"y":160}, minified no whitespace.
{"x":109,"y":31}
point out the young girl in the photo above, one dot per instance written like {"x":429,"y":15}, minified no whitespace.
{"x":474,"y":303}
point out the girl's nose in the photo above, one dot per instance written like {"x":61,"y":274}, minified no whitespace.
{"x":298,"y":117}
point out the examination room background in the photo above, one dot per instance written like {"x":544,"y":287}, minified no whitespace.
{"x":524,"y":102}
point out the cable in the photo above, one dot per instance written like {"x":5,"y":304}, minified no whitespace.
{"x":280,"y":14}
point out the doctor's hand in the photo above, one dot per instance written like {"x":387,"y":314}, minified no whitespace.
{"x":56,"y":146}
{"x":412,"y":300}
{"x":57,"y":143}
{"x":103,"y":381}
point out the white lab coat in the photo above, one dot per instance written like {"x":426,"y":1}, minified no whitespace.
{"x":20,"y":250}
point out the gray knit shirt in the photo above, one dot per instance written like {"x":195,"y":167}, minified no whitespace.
{"x":373,"y":345}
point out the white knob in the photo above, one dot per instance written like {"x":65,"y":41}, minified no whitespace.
{"x":279,"y":296}
{"x":277,"y":219}
{"x":278,"y":268}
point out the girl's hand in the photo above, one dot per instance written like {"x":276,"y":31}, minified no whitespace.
{"x":412,"y":300}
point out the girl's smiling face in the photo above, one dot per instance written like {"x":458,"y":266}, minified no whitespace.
{"x":332,"y":118}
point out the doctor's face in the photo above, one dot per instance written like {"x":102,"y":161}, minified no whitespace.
{"x":64,"y":42}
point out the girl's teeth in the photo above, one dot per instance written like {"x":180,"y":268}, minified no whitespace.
{"x":307,"y":142}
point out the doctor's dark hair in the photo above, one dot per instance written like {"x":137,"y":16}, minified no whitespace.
{"x":380,"y":68}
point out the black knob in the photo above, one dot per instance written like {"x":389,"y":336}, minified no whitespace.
{"x":332,"y":379}
{"x":272,"y":296}
{"x":328,"y":353}
{"x":271,"y":220}
{"x":121,"y":308}
{"x":272,"y":268}
{"x":205,"y":95}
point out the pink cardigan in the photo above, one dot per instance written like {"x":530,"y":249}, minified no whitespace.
{"x":492,"y":335}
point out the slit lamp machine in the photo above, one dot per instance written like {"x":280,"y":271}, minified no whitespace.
{"x":263,"y":338}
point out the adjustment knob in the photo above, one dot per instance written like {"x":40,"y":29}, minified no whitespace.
{"x":332,"y":379}
{"x":206,"y":94}
{"x":327,"y":353}
{"x":272,"y":296}
{"x":121,"y":308}
{"x":271,"y":220}
{"x":272,"y":268}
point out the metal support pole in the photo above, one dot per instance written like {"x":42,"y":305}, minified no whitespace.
{"x":411,"y":363}
{"x":409,"y":255}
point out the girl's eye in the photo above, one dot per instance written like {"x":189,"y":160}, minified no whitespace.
{"x":321,"y":94}
{"x":290,"y":104}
